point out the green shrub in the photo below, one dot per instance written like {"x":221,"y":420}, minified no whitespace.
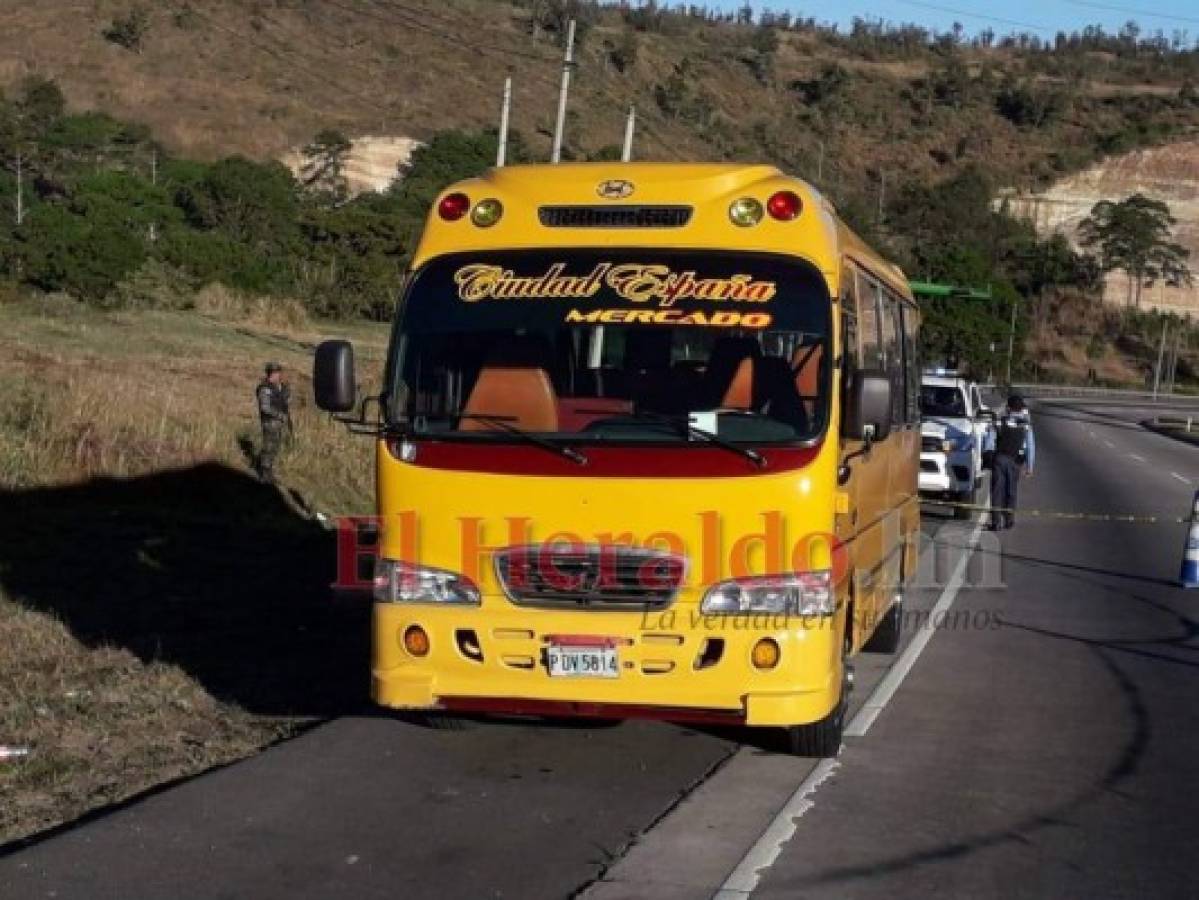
{"x":1029,"y":107}
{"x":129,"y":30}
{"x":154,"y":285}
{"x":83,"y":255}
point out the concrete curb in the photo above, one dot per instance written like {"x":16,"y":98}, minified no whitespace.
{"x":1171,"y":431}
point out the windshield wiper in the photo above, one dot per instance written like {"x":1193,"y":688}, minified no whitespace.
{"x":504,"y":423}
{"x":684,"y":426}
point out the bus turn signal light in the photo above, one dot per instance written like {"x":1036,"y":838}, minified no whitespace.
{"x":416,"y":642}
{"x":765,"y":654}
{"x":453,"y":207}
{"x":784,"y":206}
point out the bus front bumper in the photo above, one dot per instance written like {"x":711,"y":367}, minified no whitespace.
{"x":670,"y":673}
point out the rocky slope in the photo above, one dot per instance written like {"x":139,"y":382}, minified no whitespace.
{"x":371,"y":165}
{"x":1169,"y":174}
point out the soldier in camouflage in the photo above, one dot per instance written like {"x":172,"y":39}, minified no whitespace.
{"x":273,"y":398}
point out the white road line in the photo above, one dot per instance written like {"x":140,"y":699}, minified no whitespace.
{"x":1137,"y":458}
{"x":1109,"y":443}
{"x":886,"y":689}
{"x":761,"y":856}
{"x":1180,"y":478}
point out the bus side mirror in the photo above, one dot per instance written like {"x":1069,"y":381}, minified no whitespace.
{"x":868,"y":406}
{"x":333,"y":376}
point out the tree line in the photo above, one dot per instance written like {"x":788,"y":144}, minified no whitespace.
{"x":109,"y":217}
{"x":99,"y":204}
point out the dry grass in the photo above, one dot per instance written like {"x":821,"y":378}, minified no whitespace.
{"x":101,"y":724}
{"x":140,"y":642}
{"x":237,"y":76}
{"x":272,"y":312}
{"x":130,"y":393}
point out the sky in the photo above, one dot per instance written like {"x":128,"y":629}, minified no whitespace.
{"x":1044,"y":17}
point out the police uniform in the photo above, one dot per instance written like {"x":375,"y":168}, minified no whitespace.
{"x":274,"y":414}
{"x":1015,"y":448}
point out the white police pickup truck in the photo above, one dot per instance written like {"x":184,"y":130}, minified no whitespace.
{"x":953,"y":429}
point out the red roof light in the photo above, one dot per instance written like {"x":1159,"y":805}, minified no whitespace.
{"x":453,"y":207}
{"x":784,"y":206}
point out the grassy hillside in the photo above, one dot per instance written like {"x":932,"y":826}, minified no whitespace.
{"x":909,"y":133}
{"x":216,"y":77}
{"x":158,"y":606}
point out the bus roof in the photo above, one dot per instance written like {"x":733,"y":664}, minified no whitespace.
{"x":676,"y":205}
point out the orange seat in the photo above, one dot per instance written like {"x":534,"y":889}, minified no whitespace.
{"x":513,"y":385}
{"x":729,"y":375}
{"x":740,"y":392}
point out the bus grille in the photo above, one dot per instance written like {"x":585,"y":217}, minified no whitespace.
{"x":614,"y":216}
{"x":609,"y":577}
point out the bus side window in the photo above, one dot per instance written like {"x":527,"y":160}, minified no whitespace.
{"x":870,"y":356}
{"x":911,"y":362}
{"x":849,"y":322}
{"x":893,"y":352}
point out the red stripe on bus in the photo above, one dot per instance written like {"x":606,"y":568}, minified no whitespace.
{"x":605,"y":462}
{"x":515,"y":706}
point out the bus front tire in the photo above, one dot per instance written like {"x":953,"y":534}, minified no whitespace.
{"x":442,"y":722}
{"x":889,"y":631}
{"x":820,"y":739}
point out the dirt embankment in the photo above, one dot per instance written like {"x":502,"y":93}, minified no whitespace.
{"x":371,"y":165}
{"x":1169,"y":174}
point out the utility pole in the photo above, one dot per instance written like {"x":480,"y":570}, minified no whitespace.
{"x":154,"y":166}
{"x":567,"y":64}
{"x":1161,"y":353}
{"x":1174,"y":360}
{"x":1011,"y":344}
{"x":20,"y":192}
{"x":630,"y":125}
{"x":501,"y":151}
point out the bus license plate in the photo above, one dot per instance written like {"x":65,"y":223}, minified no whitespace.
{"x":582,"y":662}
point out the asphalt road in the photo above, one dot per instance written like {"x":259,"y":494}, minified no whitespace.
{"x":1051,"y":752}
{"x":1056,"y":755}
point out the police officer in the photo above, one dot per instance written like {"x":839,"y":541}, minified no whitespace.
{"x":273,"y":398}
{"x":1015,"y":448}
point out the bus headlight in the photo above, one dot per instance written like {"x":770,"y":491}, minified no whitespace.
{"x":796,"y":593}
{"x":401,"y":582}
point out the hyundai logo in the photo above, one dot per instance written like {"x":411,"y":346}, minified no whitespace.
{"x":615,"y":189}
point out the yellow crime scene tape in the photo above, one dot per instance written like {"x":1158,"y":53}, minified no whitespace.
{"x":1065,"y":515}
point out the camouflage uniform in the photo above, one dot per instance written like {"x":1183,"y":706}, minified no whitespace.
{"x":273,"y":412}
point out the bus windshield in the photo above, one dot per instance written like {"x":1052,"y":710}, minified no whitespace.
{"x":613,"y":345}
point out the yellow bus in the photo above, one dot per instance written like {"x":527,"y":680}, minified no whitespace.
{"x":647,"y":447}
